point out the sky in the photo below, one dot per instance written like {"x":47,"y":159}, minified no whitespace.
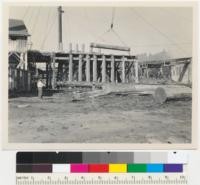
{"x":143,"y":29}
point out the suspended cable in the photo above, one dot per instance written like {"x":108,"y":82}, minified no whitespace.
{"x":112,"y":20}
{"x":108,"y":30}
{"x":28,"y":21}
{"x":25,"y":13}
{"x":118,"y":36}
{"x":111,"y":29}
{"x":36,"y":19}
{"x":48,"y":16}
{"x":156,"y":45}
{"x":88,"y":26}
{"x":49,"y":31}
{"x":46,"y":26}
{"x":30,"y":17}
{"x":155,"y":28}
{"x":67,"y":23}
{"x":102,"y":35}
{"x":173,"y":13}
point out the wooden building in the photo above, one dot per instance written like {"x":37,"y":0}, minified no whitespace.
{"x":19,"y":76}
{"x":182,"y":71}
{"x":178,"y":70}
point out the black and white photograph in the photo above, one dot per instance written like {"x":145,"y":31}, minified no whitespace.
{"x":100,"y":74}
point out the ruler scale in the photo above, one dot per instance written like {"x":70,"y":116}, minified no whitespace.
{"x":121,"y":179}
{"x":101,"y":168}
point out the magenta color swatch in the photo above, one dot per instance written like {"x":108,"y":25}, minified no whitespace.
{"x":79,"y":168}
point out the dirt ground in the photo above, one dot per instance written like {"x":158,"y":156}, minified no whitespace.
{"x":110,"y":119}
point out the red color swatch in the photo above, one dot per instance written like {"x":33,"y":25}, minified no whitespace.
{"x":98,"y":168}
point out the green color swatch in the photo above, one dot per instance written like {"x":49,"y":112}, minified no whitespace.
{"x":136,"y":168}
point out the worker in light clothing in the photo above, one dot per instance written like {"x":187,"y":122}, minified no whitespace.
{"x":40,"y":86}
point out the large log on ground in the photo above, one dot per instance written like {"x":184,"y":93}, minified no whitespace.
{"x":159,"y":95}
{"x":160,"y":92}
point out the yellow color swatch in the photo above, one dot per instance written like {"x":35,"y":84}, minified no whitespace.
{"x":117,"y":168}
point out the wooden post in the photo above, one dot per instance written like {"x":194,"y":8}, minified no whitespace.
{"x":77,"y":50}
{"x":87,"y":68}
{"x":36,"y":71}
{"x":161,"y":69}
{"x":147,"y":72}
{"x":123,"y":70}
{"x":83,"y":48}
{"x":190,"y":72}
{"x":29,"y":80}
{"x":91,"y":50}
{"x":103,"y":69}
{"x":21,"y":79}
{"x":112,"y":69}
{"x":47,"y":74}
{"x":18,"y":79}
{"x":94,"y":68}
{"x":21,"y":60}
{"x":53,"y":83}
{"x":15,"y":78}
{"x":26,"y":60}
{"x":25,"y":79}
{"x":80,"y":63}
{"x":70,"y":68}
{"x":10,"y":78}
{"x":63,"y":71}
{"x":70,"y":47}
{"x":182,"y":73}
{"x":136,"y":71}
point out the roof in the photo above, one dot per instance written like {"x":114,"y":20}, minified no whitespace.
{"x":17,"y":28}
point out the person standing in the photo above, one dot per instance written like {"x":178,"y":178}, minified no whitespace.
{"x":40,"y":86}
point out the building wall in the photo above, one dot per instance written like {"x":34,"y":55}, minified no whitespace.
{"x":176,"y":71}
{"x":19,"y":80}
{"x":18,"y":45}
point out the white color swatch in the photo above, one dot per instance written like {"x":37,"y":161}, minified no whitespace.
{"x":60,"y":168}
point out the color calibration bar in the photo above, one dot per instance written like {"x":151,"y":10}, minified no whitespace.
{"x":100,"y":168}
{"x":101,"y":162}
{"x":106,"y":168}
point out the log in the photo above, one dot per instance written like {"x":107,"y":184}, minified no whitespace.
{"x":53,"y":80}
{"x":112,"y":47}
{"x":160,"y":93}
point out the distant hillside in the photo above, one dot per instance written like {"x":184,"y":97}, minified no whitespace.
{"x":157,"y":56}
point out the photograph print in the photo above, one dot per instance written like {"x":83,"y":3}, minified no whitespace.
{"x":100,"y":74}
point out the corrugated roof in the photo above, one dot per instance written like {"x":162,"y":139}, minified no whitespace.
{"x":17,"y":28}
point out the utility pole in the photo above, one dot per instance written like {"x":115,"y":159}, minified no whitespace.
{"x":60,"y":44}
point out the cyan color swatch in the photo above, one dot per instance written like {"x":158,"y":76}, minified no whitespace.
{"x":155,"y":168}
